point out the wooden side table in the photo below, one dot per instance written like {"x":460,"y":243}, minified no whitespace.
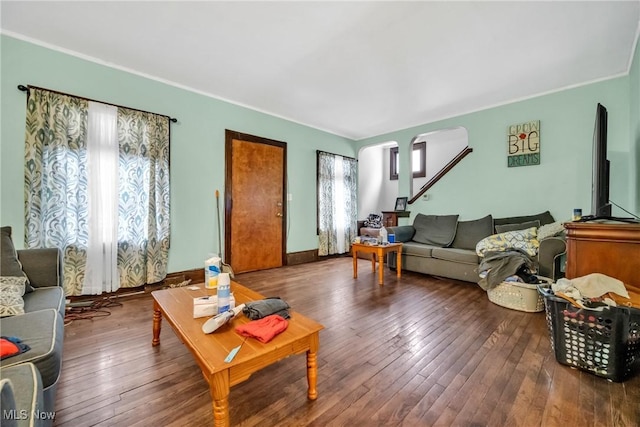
{"x":390,"y":218}
{"x":380,"y":251}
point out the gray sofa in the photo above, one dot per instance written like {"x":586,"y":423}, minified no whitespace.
{"x":29,"y":380}
{"x":454,"y":256}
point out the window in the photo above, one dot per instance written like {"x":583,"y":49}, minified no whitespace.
{"x":418,"y":161}
{"x":337,"y":203}
{"x":97,"y":187}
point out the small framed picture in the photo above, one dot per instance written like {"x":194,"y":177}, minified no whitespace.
{"x":401,"y":204}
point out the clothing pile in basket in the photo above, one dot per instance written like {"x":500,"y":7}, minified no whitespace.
{"x":512,"y":265}
{"x":596,"y":291}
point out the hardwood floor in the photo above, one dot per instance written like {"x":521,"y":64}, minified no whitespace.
{"x":420,"y":351}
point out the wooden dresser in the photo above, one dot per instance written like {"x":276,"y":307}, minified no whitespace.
{"x":604,"y":247}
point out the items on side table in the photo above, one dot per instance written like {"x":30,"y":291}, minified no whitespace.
{"x":379,"y":251}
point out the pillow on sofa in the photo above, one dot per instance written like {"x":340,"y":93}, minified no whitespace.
{"x":9,"y":264}
{"x":469,"y":233}
{"x":550,"y":230}
{"x":513,"y":227}
{"x":11,"y":292}
{"x":520,"y":239}
{"x":435,"y":230}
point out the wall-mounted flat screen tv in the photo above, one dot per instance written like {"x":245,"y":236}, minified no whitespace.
{"x":600,"y":206}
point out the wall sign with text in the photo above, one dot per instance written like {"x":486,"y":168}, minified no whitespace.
{"x":524,"y":144}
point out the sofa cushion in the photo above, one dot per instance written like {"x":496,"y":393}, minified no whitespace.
{"x":11,"y":292}
{"x":43,"y":331}
{"x":403,"y":233}
{"x":9,"y":264}
{"x":544,"y":218}
{"x":520,"y":239}
{"x":42,"y":266}
{"x":417,"y":249}
{"x":44,"y":298}
{"x":521,"y":226}
{"x":456,"y":255}
{"x":436,"y":230}
{"x":469,"y":233}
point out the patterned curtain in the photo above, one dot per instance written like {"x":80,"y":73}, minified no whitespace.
{"x":143,"y":225}
{"x":55,"y":180}
{"x":350,"y":182}
{"x":56,"y":191}
{"x":337,"y":203}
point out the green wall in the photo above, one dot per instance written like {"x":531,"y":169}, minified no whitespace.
{"x":482,"y":183}
{"x":197,"y":145}
{"x":634,"y":115}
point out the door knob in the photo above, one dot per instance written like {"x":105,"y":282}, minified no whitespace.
{"x":279,"y":214}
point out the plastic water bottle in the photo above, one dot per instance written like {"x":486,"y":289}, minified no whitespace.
{"x":224,"y":292}
{"x":384,"y":238}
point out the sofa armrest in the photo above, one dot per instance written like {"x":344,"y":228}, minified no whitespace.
{"x":550,"y":249}
{"x":403,"y":233}
{"x":43,"y":267}
{"x":22,"y":399}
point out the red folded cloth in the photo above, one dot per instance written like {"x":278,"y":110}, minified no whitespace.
{"x":263,"y":329}
{"x":10,"y":346}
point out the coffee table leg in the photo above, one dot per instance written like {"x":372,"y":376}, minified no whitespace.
{"x":312,"y":367}
{"x":380,"y":267}
{"x":355,"y":263}
{"x":399,"y":262}
{"x":157,"y":321}
{"x":219,"y":389}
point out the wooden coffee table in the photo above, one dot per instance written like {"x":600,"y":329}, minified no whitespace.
{"x":209,"y":351}
{"x":380,"y":251}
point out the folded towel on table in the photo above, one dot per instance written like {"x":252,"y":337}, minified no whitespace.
{"x":263,"y":329}
{"x":258,"y":309}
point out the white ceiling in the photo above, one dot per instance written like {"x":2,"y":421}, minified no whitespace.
{"x":356,"y":69}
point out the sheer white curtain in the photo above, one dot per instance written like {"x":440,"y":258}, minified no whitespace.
{"x":340,"y":216}
{"x":101,"y":273}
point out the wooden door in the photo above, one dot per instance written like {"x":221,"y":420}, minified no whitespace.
{"x":254,"y":202}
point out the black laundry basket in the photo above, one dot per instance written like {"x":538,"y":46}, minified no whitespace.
{"x":605,"y":343}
